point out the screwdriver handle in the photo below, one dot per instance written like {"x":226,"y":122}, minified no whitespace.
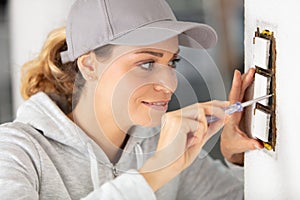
{"x":237,"y":107}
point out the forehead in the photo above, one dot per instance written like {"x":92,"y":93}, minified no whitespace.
{"x":171,"y":46}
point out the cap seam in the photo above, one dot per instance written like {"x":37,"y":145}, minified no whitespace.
{"x":72,"y":56}
{"x":162,"y":5}
{"x":144,"y":24}
{"x":108,"y":18}
{"x":70,"y":47}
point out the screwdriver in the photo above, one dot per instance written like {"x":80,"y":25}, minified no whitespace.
{"x":237,"y":107}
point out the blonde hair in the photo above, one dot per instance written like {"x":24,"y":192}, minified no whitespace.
{"x":46,"y":73}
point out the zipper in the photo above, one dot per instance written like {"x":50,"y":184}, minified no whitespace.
{"x":115,"y":171}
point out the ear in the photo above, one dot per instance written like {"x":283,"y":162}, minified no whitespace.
{"x":87,"y":65}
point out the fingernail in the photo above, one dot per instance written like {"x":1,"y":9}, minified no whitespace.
{"x":226,"y":103}
{"x":257,"y":146}
{"x":227,"y":118}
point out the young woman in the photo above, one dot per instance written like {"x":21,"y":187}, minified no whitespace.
{"x":95,"y":125}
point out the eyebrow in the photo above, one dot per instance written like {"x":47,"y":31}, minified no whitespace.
{"x":157,"y":54}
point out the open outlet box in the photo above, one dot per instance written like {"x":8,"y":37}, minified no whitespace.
{"x":263,"y":113}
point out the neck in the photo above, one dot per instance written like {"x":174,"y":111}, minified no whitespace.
{"x":104,"y":131}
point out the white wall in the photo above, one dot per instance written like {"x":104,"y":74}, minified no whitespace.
{"x":270,"y":175}
{"x":30,"y":23}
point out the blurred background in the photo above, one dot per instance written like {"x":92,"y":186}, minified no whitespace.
{"x":25,"y":24}
{"x":5,"y":78}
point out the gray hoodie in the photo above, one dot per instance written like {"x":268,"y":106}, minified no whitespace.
{"x":44,"y":155}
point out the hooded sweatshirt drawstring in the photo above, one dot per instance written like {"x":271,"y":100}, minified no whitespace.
{"x":94,"y":166}
{"x":139,"y":155}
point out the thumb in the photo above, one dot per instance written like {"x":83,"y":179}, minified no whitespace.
{"x":247,"y":144}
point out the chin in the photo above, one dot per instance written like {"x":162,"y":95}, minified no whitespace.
{"x":152,"y":120}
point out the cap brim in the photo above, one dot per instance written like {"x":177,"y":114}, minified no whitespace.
{"x":190,"y":34}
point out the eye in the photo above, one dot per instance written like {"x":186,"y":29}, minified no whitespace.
{"x":148,"y":66}
{"x":173,"y":63}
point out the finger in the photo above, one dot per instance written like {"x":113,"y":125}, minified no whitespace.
{"x":194,"y":112}
{"x":216,"y":103}
{"x":236,"y":87}
{"x":202,"y":118}
{"x":244,"y":74}
{"x":191,"y":112}
{"x":200,"y":111}
{"x":245,"y":143}
{"x":197,"y":135}
{"x":216,"y":112}
{"x":213,"y":128}
{"x":217,"y":125}
{"x":201,"y":138}
{"x":175,"y":137}
{"x":248,"y":71}
{"x":193,"y":126}
{"x":215,"y":108}
{"x":247,"y":80}
{"x":194,"y":150}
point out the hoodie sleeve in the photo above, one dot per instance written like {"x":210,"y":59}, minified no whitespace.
{"x":209,"y":179}
{"x":128,"y":186}
{"x":18,"y":175}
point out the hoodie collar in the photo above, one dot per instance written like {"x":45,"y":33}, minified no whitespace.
{"x":42,"y":113}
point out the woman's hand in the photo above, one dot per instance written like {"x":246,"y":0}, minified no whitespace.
{"x":183,"y":134}
{"x":234,"y":142}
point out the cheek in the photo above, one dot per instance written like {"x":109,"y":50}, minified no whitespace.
{"x":119,"y":96}
{"x":104,"y":95}
{"x":125,"y":102}
{"x":116,"y":99}
{"x":135,"y":107}
{"x":139,"y":113}
{"x":102,"y":99}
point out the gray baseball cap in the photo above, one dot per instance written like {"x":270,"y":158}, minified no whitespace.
{"x":94,"y":23}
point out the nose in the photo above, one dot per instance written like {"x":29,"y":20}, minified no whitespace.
{"x":159,"y":87}
{"x":166,"y":81}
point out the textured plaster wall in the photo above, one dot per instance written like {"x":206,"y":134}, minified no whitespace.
{"x":276,"y":175}
{"x":30,"y":23}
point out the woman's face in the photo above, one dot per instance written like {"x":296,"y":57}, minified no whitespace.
{"x":137,"y":84}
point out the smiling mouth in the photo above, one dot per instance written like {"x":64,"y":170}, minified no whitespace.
{"x":159,"y":105}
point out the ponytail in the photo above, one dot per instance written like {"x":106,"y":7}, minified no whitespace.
{"x":47,"y":74}
{"x":63,"y":83}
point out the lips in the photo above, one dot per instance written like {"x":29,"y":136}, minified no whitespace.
{"x":157,"y":105}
